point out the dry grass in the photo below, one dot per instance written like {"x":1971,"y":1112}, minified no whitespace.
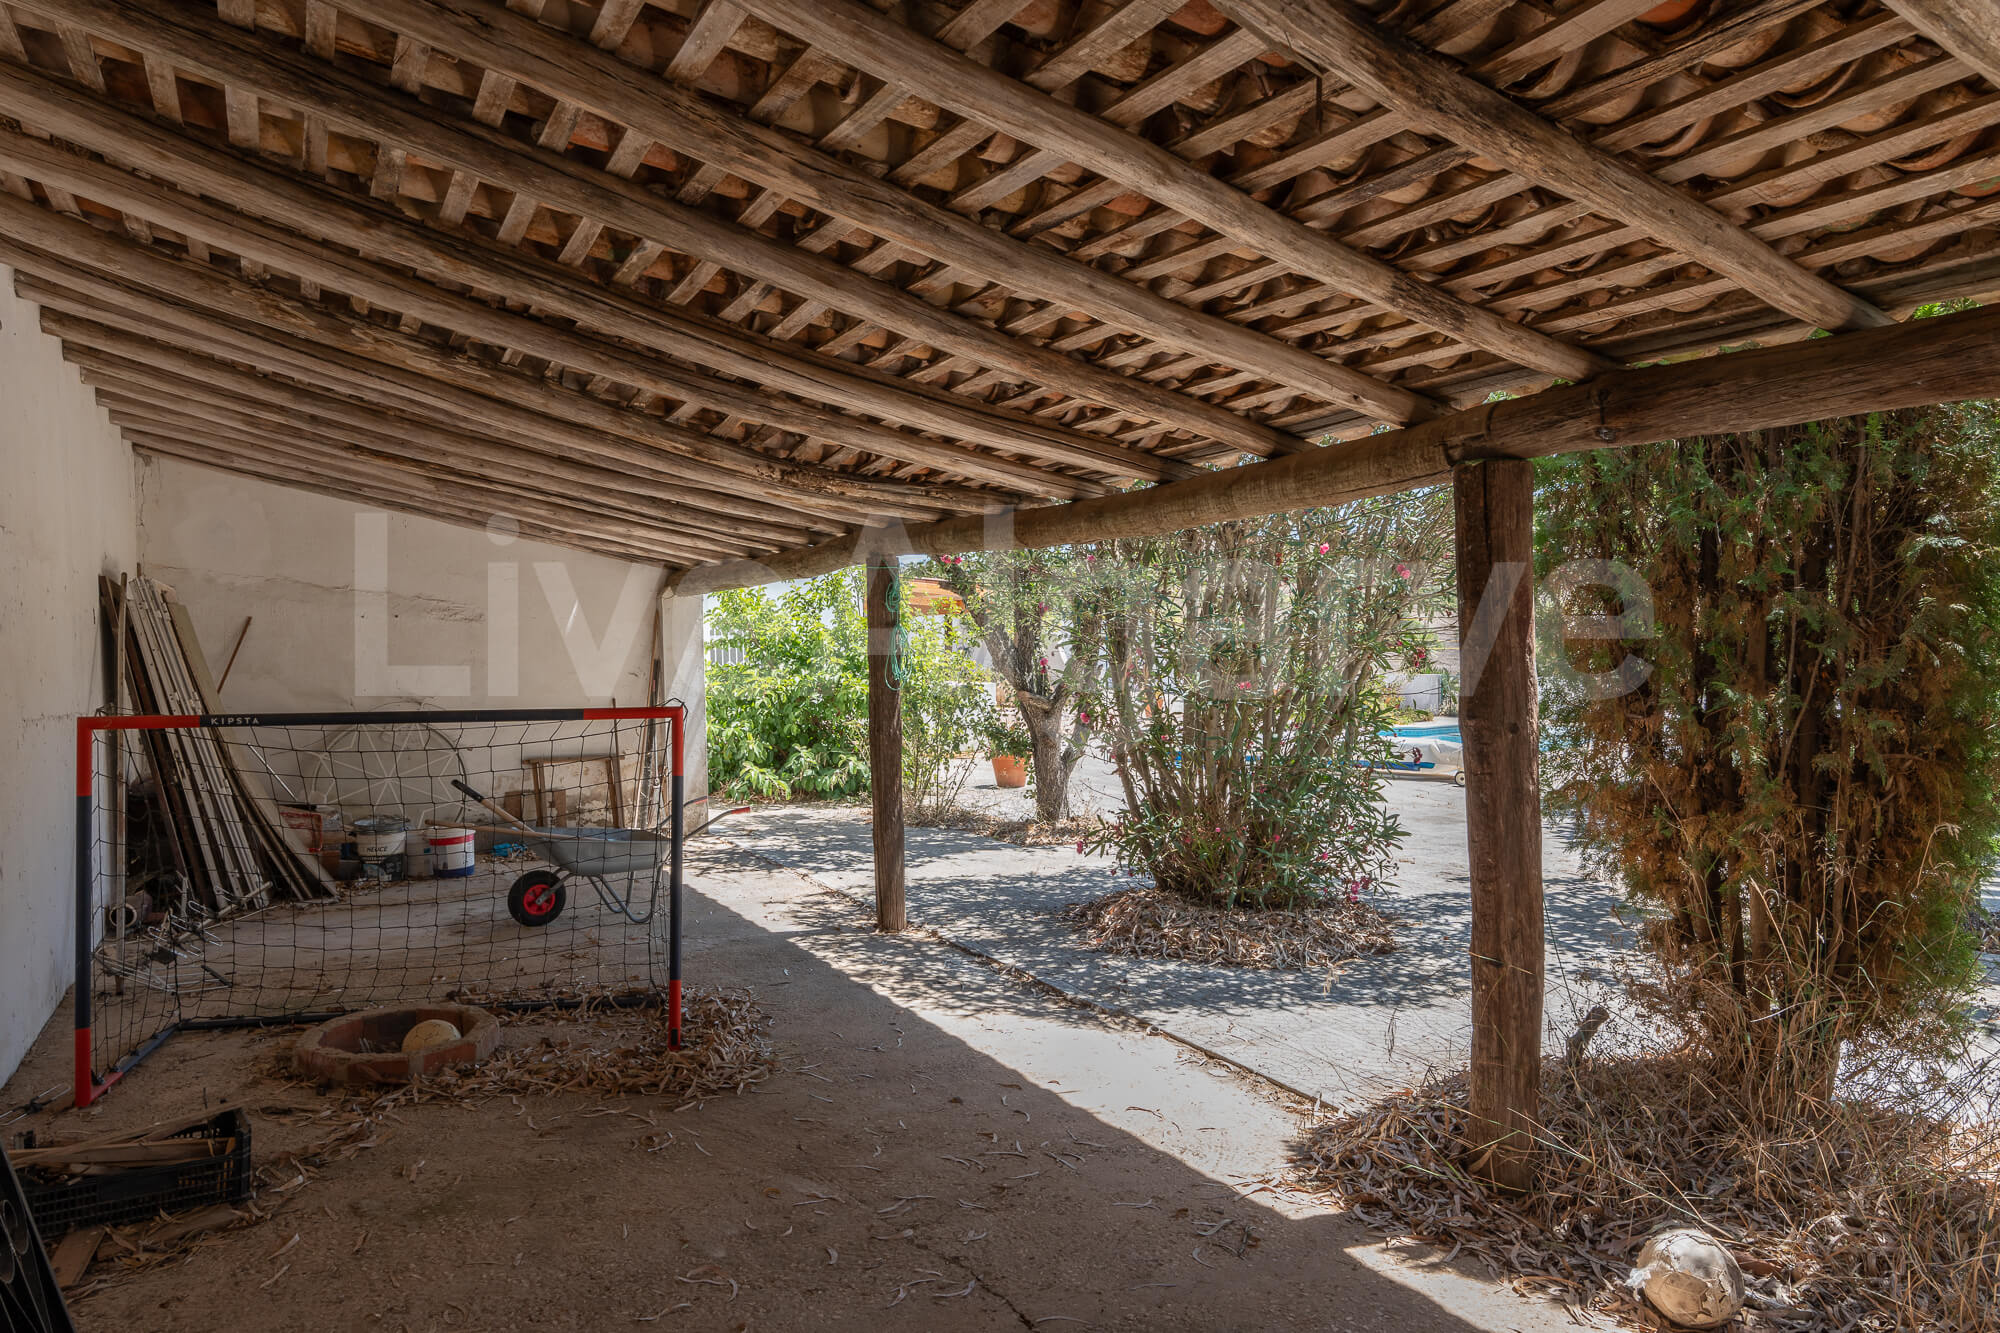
{"x":610,"y":1052}
{"x":1146,"y":922}
{"x":1856,"y":1217}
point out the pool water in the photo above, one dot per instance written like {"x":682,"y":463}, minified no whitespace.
{"x":1436,"y":731}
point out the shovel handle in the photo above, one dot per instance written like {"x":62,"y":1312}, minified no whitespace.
{"x":498,"y":810}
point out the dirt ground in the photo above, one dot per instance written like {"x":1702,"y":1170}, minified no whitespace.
{"x":943,"y":1148}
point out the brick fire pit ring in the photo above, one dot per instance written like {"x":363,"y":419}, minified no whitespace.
{"x":366,"y":1047}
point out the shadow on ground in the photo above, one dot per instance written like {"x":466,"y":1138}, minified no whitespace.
{"x":1338,"y":1034}
{"x":943,"y":1149}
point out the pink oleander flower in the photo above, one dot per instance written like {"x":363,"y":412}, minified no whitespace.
{"x":1324,"y":548}
{"x":1402,"y":571}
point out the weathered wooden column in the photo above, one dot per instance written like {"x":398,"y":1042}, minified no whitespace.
{"x":885,"y":742}
{"x":1503,"y":811}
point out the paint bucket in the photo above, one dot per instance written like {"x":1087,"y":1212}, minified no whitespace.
{"x":378,"y":841}
{"x":379,"y":837}
{"x":451,"y":852}
{"x":416,"y":858}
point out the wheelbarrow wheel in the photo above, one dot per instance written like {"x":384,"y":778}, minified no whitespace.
{"x":1458,"y":778}
{"x":537,"y":898}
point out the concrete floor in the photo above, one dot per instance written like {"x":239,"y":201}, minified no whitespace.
{"x":871,"y":1185}
{"x":1338,"y":1035}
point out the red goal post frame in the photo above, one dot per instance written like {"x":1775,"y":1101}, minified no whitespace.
{"x":88,"y":1087}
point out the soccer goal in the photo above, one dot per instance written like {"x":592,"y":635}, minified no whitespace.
{"x":260,"y":869}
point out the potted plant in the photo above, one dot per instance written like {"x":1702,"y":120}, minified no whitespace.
{"x":1007,"y":741}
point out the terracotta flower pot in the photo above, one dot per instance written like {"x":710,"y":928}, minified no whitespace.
{"x":1010,"y":770}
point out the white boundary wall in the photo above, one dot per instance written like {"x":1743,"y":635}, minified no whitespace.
{"x":67,"y":510}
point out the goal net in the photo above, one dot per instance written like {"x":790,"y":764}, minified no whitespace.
{"x":248,"y":869}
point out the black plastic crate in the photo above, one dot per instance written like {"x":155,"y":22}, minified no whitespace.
{"x":136,"y":1194}
{"x":30,"y":1301}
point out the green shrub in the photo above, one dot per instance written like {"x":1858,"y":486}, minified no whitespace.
{"x":790,"y":719}
{"x":948,"y":712}
{"x":1792,"y":763}
{"x":1245,"y":705}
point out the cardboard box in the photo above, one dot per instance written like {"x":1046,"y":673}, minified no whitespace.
{"x":319,"y":824}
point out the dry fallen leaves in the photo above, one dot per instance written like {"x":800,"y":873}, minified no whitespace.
{"x":1148,"y":922}
{"x":1851,"y":1217}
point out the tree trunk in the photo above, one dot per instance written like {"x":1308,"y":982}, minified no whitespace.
{"x":1045,"y":740}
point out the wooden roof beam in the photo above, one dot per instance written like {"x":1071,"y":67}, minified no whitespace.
{"x":876,"y":43}
{"x":262,"y":323}
{"x":1435,"y":94}
{"x":138,"y":403}
{"x":1945,"y":359}
{"x":364,"y":108}
{"x":316,"y":210}
{"x":319,"y":212}
{"x":379,"y":387}
{"x":1968,"y":29}
{"x":619,"y":92}
{"x":372,"y":387}
{"x":196,"y":41}
{"x":189,"y":379}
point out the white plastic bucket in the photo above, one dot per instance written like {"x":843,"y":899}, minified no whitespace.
{"x":451,"y":852}
{"x":378,"y":839}
{"x":416,"y":858}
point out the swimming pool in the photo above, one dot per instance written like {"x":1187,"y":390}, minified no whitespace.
{"x":1427,"y":747}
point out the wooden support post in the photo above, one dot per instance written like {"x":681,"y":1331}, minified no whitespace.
{"x":885,"y":743}
{"x":1503,"y":811}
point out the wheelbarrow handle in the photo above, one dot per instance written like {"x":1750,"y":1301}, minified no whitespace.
{"x":739,"y":810}
{"x":498,"y":810}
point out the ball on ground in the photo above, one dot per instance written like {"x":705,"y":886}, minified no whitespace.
{"x":1687,"y":1276}
{"x":431,"y":1032}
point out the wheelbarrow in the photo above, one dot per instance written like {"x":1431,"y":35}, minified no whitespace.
{"x":598,"y":856}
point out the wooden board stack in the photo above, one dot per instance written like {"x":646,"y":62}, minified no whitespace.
{"x":231,"y":845}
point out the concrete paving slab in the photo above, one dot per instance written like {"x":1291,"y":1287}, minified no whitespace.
{"x":1338,"y":1035}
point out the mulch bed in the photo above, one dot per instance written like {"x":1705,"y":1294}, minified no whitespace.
{"x":1861,"y":1218}
{"x":1146,"y":922}
{"x":1021,"y":832}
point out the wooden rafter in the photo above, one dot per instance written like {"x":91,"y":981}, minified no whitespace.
{"x":791,"y":283}
{"x":477,"y":152}
{"x":866,"y":39}
{"x":1969,"y":29}
{"x":483,"y":268}
{"x":1944,"y":359}
{"x":188,"y":380}
{"x":534,"y":54}
{"x":1434,"y":94}
{"x":94,"y":274}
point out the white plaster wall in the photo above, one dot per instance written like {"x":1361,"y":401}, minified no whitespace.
{"x":469,"y":619}
{"x":66,"y":515}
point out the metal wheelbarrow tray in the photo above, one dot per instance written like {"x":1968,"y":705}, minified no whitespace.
{"x":597,"y":856}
